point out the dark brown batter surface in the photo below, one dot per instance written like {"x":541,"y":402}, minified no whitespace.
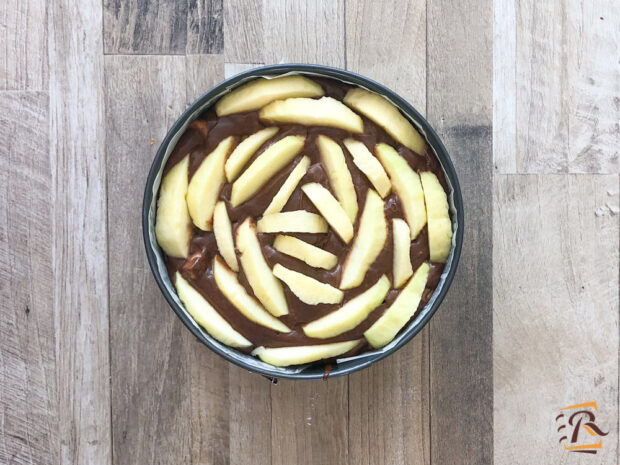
{"x":206,"y":133}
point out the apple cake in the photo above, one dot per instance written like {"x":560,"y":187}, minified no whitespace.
{"x":303,"y":220}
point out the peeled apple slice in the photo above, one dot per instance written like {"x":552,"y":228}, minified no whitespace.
{"x":406,"y":183}
{"x":325,"y":111}
{"x":268,"y":163}
{"x":308,"y":253}
{"x":350,"y":314}
{"x":402,"y":258}
{"x":264,"y":284}
{"x":368,"y":243}
{"x":244,"y":151}
{"x":378,"y":109}
{"x":260,"y":92}
{"x":307,"y":289}
{"x":229,"y":285}
{"x":400,"y":312}
{"x":439,"y":224}
{"x":298,"y":221}
{"x":285,"y":356}
{"x":206,"y":316}
{"x":206,"y":183}
{"x":173,"y":225}
{"x":331,"y":210}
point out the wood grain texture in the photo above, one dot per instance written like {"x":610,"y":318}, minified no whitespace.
{"x":230,"y":69}
{"x":391,"y":396}
{"x":243,"y":31}
{"x":205,"y":26}
{"x":251,"y":418}
{"x":28,"y":417}
{"x":555,"y":255}
{"x":148,"y":344}
{"x":389,"y":408}
{"x":202,"y":72}
{"x":303,"y":32}
{"x":309,"y":422}
{"x":23,"y":39}
{"x":157,"y":26}
{"x":594,"y":78}
{"x":388,"y":44}
{"x":459,"y":106}
{"x":78,"y":233}
{"x":568,"y":82}
{"x":504,"y":86}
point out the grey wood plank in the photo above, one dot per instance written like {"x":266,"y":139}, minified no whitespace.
{"x":308,"y":426}
{"x":542,"y":94}
{"x":392,"y":396}
{"x":151,"y":385}
{"x":388,"y":44}
{"x":303,"y":32}
{"x":79,"y":231}
{"x":23,"y":35}
{"x":505,"y":86}
{"x":205,"y":27}
{"x":555,"y":328}
{"x":568,"y":77}
{"x":202,"y":72}
{"x":459,"y":106}
{"x":28,"y":415}
{"x":210,"y":413}
{"x":153,"y":27}
{"x":593,"y":43}
{"x":243,"y":31}
{"x":389,"y":408}
{"x":251,"y":418}
{"x":230,"y":69}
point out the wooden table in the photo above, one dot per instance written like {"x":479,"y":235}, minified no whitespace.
{"x":96,"y":369}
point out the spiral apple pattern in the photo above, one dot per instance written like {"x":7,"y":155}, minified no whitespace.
{"x":303,"y":220}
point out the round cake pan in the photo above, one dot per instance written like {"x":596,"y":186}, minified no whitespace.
{"x":156,"y":259}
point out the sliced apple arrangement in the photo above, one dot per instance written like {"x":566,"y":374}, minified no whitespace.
{"x":267,"y":264}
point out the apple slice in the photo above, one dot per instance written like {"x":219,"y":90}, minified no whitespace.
{"x":369,"y":165}
{"x":260,"y":92}
{"x":439,"y":224}
{"x":244,"y":151}
{"x":268,"y":163}
{"x":368,"y":243}
{"x":223,"y":235}
{"x":206,"y":316}
{"x":285,"y":356}
{"x":400,"y":312}
{"x":173,"y":226}
{"x":338,"y":174}
{"x":229,"y":285}
{"x":331,"y":210}
{"x":285,"y":192}
{"x":325,"y":111}
{"x":407,"y":185}
{"x":350,"y":314}
{"x":298,"y":221}
{"x":402,"y":258}
{"x":265,"y":286}
{"x":206,"y":183}
{"x":381,"y":111}
{"x":305,"y":252}
{"x":307,"y":289}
